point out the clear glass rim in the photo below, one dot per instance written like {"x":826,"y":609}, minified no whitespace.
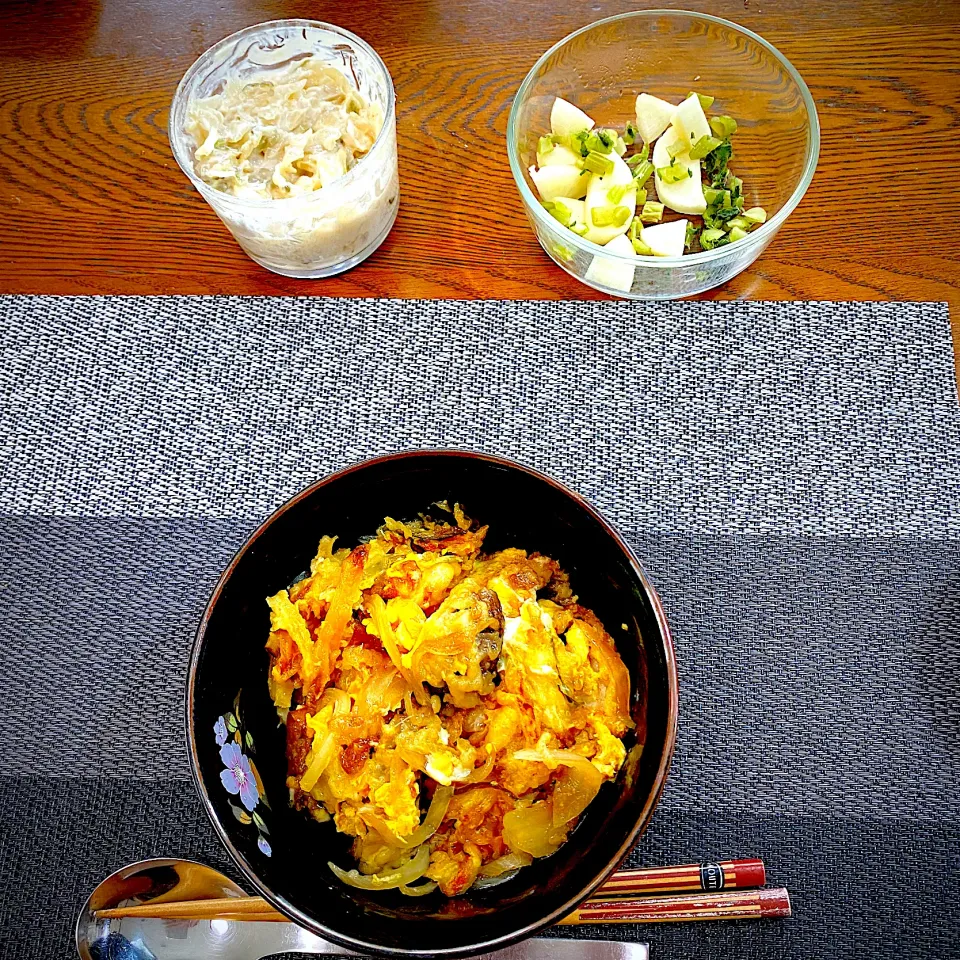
{"x":184,"y":161}
{"x":756,"y":237}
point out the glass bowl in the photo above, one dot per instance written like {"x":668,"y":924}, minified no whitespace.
{"x":667,"y":53}
{"x":330,"y":230}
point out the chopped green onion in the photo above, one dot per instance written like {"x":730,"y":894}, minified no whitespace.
{"x":642,"y":157}
{"x":619,"y":147}
{"x":755,"y":215}
{"x":723,"y":126}
{"x":641,"y":197}
{"x":559,"y":211}
{"x":705,"y":101}
{"x":713,"y":238}
{"x":598,"y":163}
{"x":736,"y":234}
{"x":704,"y":146}
{"x":641,"y":173}
{"x":636,"y":227}
{"x":602,"y":141}
{"x":580,"y":229}
{"x":630,"y":133}
{"x":651,"y":212}
{"x":678,"y":147}
{"x":578,"y":143}
{"x":712,"y":195}
{"x":561,"y":252}
{"x":640,"y":248}
{"x":675,"y":173}
{"x":609,"y":216}
{"x":715,"y":164}
{"x":545,"y":146}
{"x":690,"y":236}
{"x":617,"y":193}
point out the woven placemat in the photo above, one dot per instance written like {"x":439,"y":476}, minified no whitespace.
{"x":788,"y":472}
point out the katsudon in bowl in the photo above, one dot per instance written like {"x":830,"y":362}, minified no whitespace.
{"x":432,"y":704}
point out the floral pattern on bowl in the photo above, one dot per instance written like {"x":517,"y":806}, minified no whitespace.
{"x":240,"y":777}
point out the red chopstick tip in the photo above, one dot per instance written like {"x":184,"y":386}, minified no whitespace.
{"x":750,"y":873}
{"x":774,"y":902}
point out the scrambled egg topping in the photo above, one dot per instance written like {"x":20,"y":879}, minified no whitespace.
{"x":414,"y":663}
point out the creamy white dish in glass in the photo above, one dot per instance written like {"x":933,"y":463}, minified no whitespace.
{"x":289,"y":132}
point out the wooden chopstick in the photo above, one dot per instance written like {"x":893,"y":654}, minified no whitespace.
{"x":732,"y":905}
{"x":687,"y":878}
{"x":690,"y":877}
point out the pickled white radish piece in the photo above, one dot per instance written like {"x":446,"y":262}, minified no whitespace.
{"x":690,"y":121}
{"x":686,"y":196}
{"x":566,"y":120}
{"x":559,"y":156}
{"x":653,"y":116}
{"x":598,"y":196}
{"x":560,"y":181}
{"x":611,"y":273}
{"x":666,"y":239}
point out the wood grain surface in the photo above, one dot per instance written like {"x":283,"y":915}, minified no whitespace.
{"x":93,"y":201}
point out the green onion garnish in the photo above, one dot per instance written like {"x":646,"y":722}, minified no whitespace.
{"x":617,"y":193}
{"x":723,"y":126}
{"x":545,"y":146}
{"x":630,"y":133}
{"x":640,"y":248}
{"x":636,"y":227}
{"x":580,"y":229}
{"x":705,"y":101}
{"x":678,"y":147}
{"x":598,"y":163}
{"x":609,"y":216}
{"x":559,"y":211}
{"x":641,"y":173}
{"x":651,"y":212}
{"x":713,"y":237}
{"x":755,"y":215}
{"x":675,"y":173}
{"x":704,"y":146}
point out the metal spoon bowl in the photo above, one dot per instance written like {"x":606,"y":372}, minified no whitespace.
{"x":164,"y":881}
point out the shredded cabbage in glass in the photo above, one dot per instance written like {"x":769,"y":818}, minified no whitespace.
{"x":283,"y":134}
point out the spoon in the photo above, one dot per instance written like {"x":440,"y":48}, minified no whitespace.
{"x":163,"y":881}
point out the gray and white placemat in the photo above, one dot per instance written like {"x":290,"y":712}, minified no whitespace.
{"x":790,"y":474}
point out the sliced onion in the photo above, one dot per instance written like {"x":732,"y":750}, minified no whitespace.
{"x":484,"y":883}
{"x":552,"y":758}
{"x":412,"y":870}
{"x":508,"y":863}
{"x":378,"y":614}
{"x":319,"y":763}
{"x":431,"y":822}
{"x":420,"y":890}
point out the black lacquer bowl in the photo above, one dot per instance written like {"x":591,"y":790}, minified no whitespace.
{"x":242,"y":784}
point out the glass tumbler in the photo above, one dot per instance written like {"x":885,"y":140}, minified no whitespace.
{"x":329,"y":230}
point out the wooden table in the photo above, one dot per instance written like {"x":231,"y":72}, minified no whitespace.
{"x":94,"y":202}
